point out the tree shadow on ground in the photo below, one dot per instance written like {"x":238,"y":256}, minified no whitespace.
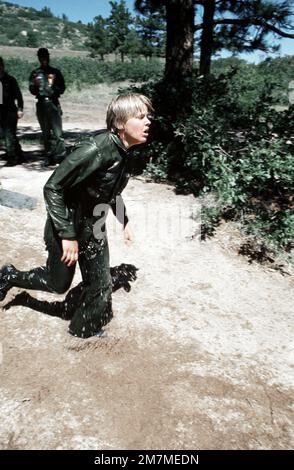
{"x":31,"y":160}
{"x":34,"y":159}
{"x":31,"y":133}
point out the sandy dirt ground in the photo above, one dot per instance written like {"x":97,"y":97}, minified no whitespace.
{"x":199,"y":354}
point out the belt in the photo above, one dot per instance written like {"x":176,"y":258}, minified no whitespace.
{"x":44,"y":98}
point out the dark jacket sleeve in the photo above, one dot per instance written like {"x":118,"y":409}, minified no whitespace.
{"x":58,"y":86}
{"x":32,"y":85}
{"x":73,"y":170}
{"x":17,"y":95}
{"x":119,"y":210}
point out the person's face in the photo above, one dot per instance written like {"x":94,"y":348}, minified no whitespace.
{"x":135,"y":131}
{"x":44,"y":60}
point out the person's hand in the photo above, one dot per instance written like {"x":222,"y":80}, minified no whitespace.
{"x":70,"y":253}
{"x":128,"y":235}
{"x":19,"y":114}
{"x":50,"y":79}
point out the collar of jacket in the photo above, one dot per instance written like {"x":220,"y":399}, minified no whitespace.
{"x":118,"y":142}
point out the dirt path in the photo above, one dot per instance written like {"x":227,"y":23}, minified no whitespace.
{"x":199,"y":354}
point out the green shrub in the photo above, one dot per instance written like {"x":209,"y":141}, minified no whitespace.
{"x":82,"y":72}
{"x":232,"y":144}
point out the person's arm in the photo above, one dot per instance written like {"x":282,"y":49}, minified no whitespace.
{"x":33,"y":87}
{"x":18,"y":98}
{"x":58,"y":86}
{"x":128,"y":235}
{"x":119,"y":210}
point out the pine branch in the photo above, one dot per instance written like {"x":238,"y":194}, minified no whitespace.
{"x":249,"y":22}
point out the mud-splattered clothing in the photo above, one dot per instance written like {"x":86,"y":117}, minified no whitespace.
{"x":86,"y":183}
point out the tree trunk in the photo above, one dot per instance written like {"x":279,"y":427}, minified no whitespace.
{"x":180,"y":39}
{"x":206,"y":43}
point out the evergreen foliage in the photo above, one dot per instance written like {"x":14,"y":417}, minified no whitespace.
{"x":233,"y":145}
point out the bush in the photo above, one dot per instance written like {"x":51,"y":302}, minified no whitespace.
{"x":82,"y":72}
{"x":232,"y":144}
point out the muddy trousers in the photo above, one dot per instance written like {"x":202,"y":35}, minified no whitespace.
{"x":8,"y":124}
{"x":49,"y":117}
{"x":92,"y":306}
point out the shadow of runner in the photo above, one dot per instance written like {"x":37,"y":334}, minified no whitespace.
{"x":121,"y":277}
{"x":34,"y":159}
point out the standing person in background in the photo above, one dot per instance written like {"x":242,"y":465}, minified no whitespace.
{"x":10,"y":112}
{"x":47,"y":84}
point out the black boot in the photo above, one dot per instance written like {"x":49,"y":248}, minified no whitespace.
{"x":5,"y":285}
{"x":49,"y":161}
{"x":13,"y":161}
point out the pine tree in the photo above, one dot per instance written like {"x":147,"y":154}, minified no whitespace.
{"x":236,"y":25}
{"x":241,"y":25}
{"x":132,"y":44}
{"x":99,"y":38}
{"x":152,"y":31}
{"x":119,"y":21}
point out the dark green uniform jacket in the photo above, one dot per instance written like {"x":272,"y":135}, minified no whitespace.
{"x":94,"y":173}
{"x":44,"y":90}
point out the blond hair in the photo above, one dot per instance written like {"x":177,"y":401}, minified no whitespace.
{"x":123,"y":107}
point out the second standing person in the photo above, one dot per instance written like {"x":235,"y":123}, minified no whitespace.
{"x":47,"y":84}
